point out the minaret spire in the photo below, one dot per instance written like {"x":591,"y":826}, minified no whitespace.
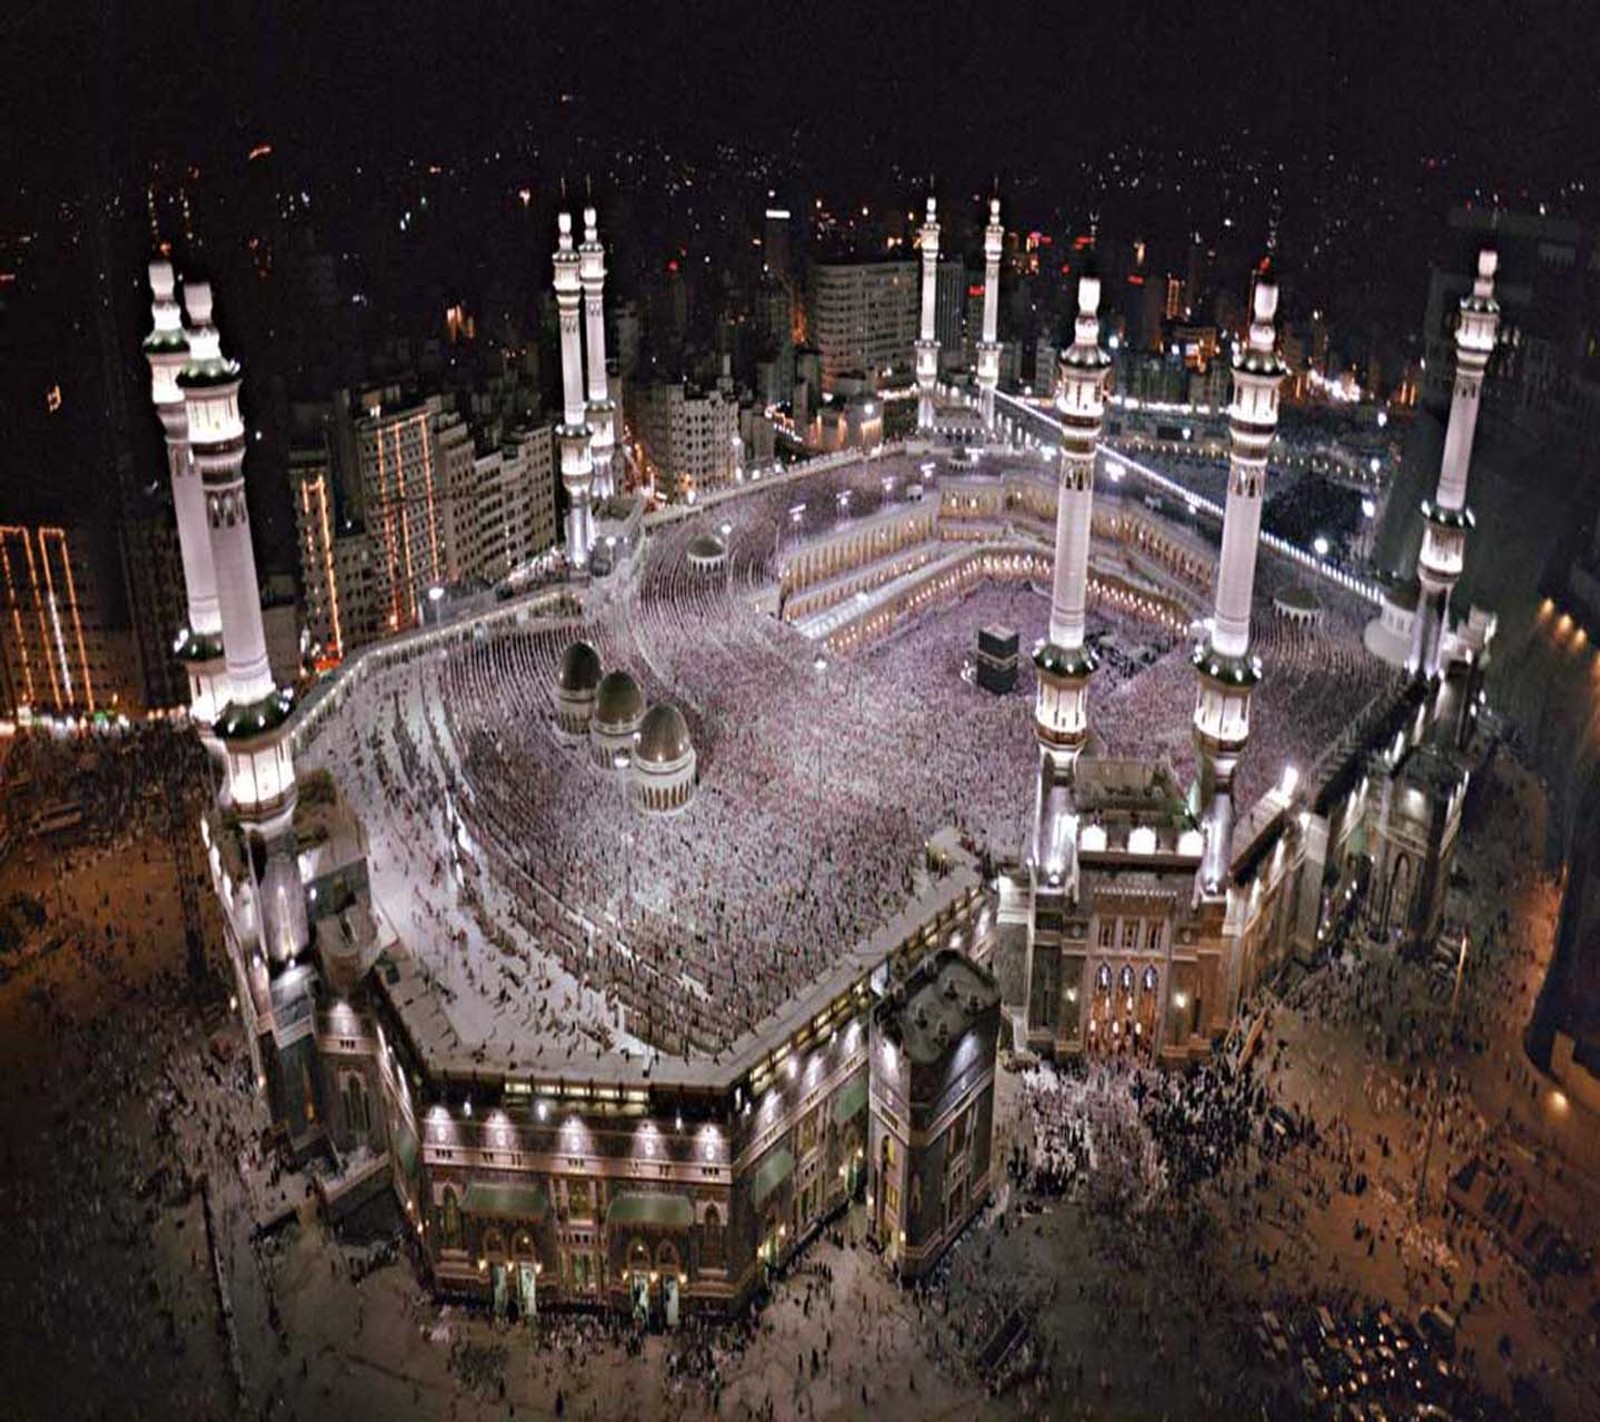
{"x":1226,"y":670}
{"x":252,"y":726}
{"x":989,"y":349}
{"x":1447,"y":517}
{"x":200,"y":643}
{"x":577,"y":468}
{"x":592,"y":273}
{"x":927,"y":351}
{"x":1065,"y":663}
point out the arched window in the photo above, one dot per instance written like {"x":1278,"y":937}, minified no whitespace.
{"x":452,"y":1219}
{"x":711,"y":1238}
{"x":357,"y":1112}
{"x":639,"y":1257}
{"x":494,"y":1244}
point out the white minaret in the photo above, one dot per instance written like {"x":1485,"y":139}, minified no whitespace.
{"x":1226,"y":670}
{"x":577,"y":468}
{"x":928,"y":342}
{"x":989,"y":349}
{"x":251,"y":727}
{"x":592,"y":273}
{"x":200,"y":644}
{"x":1065,"y":663}
{"x":1447,"y":517}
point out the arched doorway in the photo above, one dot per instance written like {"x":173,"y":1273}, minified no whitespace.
{"x":670,"y":1270}
{"x":493,"y":1252}
{"x":357,"y":1110}
{"x":1147,"y":1009}
{"x":1397,"y":898}
{"x":855,"y":1161}
{"x":526,"y":1270}
{"x":639,"y":1280}
{"x":711,"y":1240}
{"x":1103,"y":1031}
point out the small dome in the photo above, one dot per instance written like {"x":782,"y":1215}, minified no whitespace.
{"x":664,"y":736}
{"x":618,"y":701}
{"x":580,"y":668}
{"x":707,"y":546}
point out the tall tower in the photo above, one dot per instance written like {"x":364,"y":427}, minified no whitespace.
{"x":251,"y":727}
{"x":1225,"y":668}
{"x":1447,"y":517}
{"x":1065,"y":663}
{"x":577,"y":468}
{"x":989,"y":349}
{"x":928,"y":341}
{"x":200,"y":645}
{"x":592,"y":273}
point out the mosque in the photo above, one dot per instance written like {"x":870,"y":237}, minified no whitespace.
{"x":506,"y":966}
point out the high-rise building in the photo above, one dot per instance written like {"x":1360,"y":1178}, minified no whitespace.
{"x":950,"y":313}
{"x":401,"y":484}
{"x":689,"y":435}
{"x":55,"y":656}
{"x":862,"y":317}
{"x":775,"y":244}
{"x":494,"y":510}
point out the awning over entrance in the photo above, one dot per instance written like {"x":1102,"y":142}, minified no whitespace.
{"x":849,"y":1101}
{"x":507,"y":1202}
{"x":662,"y":1211}
{"x":775,"y":1169}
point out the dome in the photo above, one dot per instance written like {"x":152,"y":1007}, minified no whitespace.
{"x":580,"y":668}
{"x":664,"y":736}
{"x":707,"y":546}
{"x":618,"y":701}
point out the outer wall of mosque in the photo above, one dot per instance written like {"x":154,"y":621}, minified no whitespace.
{"x":654,"y":1191}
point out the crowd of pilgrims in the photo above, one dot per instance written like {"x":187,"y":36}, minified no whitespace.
{"x":817,"y":789}
{"x":1135,"y":1133}
{"x":818,"y":780}
{"x":117,"y":780}
{"x":111,"y":1100}
{"x":1316,"y":681}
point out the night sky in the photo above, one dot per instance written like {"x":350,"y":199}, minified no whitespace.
{"x":1510,"y":86}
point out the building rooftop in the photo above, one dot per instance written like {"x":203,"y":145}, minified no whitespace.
{"x":944,"y":997}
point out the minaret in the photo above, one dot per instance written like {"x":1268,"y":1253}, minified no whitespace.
{"x":577,"y":468}
{"x":1447,"y":517}
{"x":989,"y":349}
{"x":199,"y":646}
{"x":1065,"y":663}
{"x":1226,"y":670}
{"x":928,"y":342}
{"x":251,"y":727}
{"x":592,"y":273}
